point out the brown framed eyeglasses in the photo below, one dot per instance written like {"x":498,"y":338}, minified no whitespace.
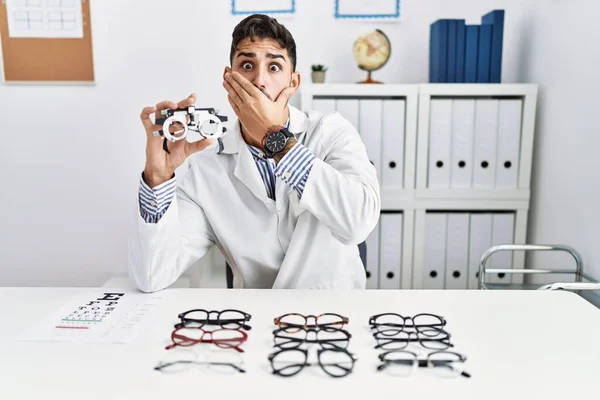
{"x":223,"y":338}
{"x":300,"y":321}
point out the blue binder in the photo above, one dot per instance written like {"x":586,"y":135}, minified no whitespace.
{"x":452,"y":48}
{"x":438,"y":51}
{"x":485,"y":52}
{"x":496,"y":20}
{"x":460,"y":51}
{"x":471,"y":53}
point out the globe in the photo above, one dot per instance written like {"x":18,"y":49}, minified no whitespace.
{"x":371,"y":52}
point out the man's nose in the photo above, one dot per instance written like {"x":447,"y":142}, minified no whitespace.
{"x":259,"y":79}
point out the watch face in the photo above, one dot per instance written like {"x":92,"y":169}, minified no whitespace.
{"x":276,"y":142}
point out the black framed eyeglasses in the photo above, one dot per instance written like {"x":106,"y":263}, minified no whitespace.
{"x":228,"y":318}
{"x":393,"y":323}
{"x":446,"y":364}
{"x":326,"y":320}
{"x":335,"y":362}
{"x":288,"y":337}
{"x":433,"y":339}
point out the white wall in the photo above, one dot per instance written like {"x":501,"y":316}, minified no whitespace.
{"x":71,"y":156}
{"x":560,"y":52}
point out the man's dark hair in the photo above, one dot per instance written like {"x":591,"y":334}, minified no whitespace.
{"x":263,"y":27}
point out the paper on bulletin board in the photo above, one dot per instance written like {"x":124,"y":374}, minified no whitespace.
{"x":97,"y":317}
{"x":368,"y":9}
{"x":44,"y":18}
{"x":277,"y":7}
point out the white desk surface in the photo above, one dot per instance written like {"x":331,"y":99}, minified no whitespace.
{"x":519,"y":345}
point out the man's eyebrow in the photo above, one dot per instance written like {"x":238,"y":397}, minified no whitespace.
{"x":253,"y":55}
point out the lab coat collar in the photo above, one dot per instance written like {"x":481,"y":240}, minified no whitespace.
{"x":232,"y":141}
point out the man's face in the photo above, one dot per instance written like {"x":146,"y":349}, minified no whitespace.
{"x":266,"y":65}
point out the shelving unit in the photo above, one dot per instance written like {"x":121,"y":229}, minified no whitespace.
{"x":435,"y":134}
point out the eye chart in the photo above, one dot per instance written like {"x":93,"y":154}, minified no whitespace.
{"x":102,"y":317}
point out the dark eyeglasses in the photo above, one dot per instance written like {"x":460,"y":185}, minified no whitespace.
{"x":291,"y":337}
{"x":444,"y":363}
{"x":327,"y":320}
{"x":422,"y":323}
{"x":433,"y":339}
{"x":335,"y":362}
{"x":226,"y":318}
{"x":224,"y":338}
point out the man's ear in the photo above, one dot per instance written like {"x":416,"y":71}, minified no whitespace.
{"x":226,"y":70}
{"x":295,"y":82}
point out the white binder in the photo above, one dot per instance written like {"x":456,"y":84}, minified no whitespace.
{"x":390,"y":253}
{"x":486,"y":133}
{"x":372,"y":244}
{"x":392,"y":168}
{"x":434,"y":257}
{"x":480,"y":239}
{"x":463,"y":126}
{"x":509,"y":138}
{"x":502,"y":233}
{"x":457,"y":250}
{"x":349,"y":110}
{"x":326,"y":106}
{"x":370,"y":120}
{"x":440,"y":137}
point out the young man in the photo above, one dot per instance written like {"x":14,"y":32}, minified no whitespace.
{"x":285,"y":195}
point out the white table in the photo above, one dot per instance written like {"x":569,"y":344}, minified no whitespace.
{"x":519,"y":345}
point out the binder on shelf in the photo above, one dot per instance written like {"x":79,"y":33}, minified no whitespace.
{"x":438,"y":51}
{"x":460,"y":50}
{"x":502,"y":233}
{"x":496,"y":20}
{"x":440,"y":134}
{"x":509,"y":138}
{"x":392,"y":168}
{"x":372,"y":243}
{"x":457,"y":250}
{"x":463,"y":120}
{"x":471,"y":53}
{"x":370,"y":121}
{"x":485,"y":53}
{"x":452,"y":40}
{"x":390,"y":256}
{"x":434,"y":257}
{"x":486,"y":134}
{"x":326,"y":106}
{"x":480,"y":239}
{"x":349,"y":110}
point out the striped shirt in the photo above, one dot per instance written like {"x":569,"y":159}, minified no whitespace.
{"x":293,"y":169}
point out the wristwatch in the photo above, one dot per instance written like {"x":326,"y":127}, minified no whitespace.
{"x":276,"y":140}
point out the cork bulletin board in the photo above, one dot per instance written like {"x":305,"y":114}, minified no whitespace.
{"x":46,"y":59}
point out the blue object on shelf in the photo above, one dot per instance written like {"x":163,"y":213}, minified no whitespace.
{"x":471,"y":53}
{"x":451,"y":40}
{"x":485,"y":52}
{"x":438,"y":53}
{"x":496,"y":20}
{"x":460,"y":51}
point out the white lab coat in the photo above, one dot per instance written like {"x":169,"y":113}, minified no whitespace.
{"x":308,"y":243}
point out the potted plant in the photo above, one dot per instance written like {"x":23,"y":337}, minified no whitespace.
{"x":318,"y":73}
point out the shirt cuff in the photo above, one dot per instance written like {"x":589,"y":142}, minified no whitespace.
{"x":293,"y":169}
{"x":154,"y":202}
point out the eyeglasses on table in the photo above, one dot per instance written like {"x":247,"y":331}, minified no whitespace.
{"x":335,"y":362}
{"x":222,"y":361}
{"x":326,"y":320}
{"x":328,"y":337}
{"x":445,"y":364}
{"x":430,"y":338}
{"x":391,"y":322}
{"x":228,"y":318}
{"x":223,"y":337}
